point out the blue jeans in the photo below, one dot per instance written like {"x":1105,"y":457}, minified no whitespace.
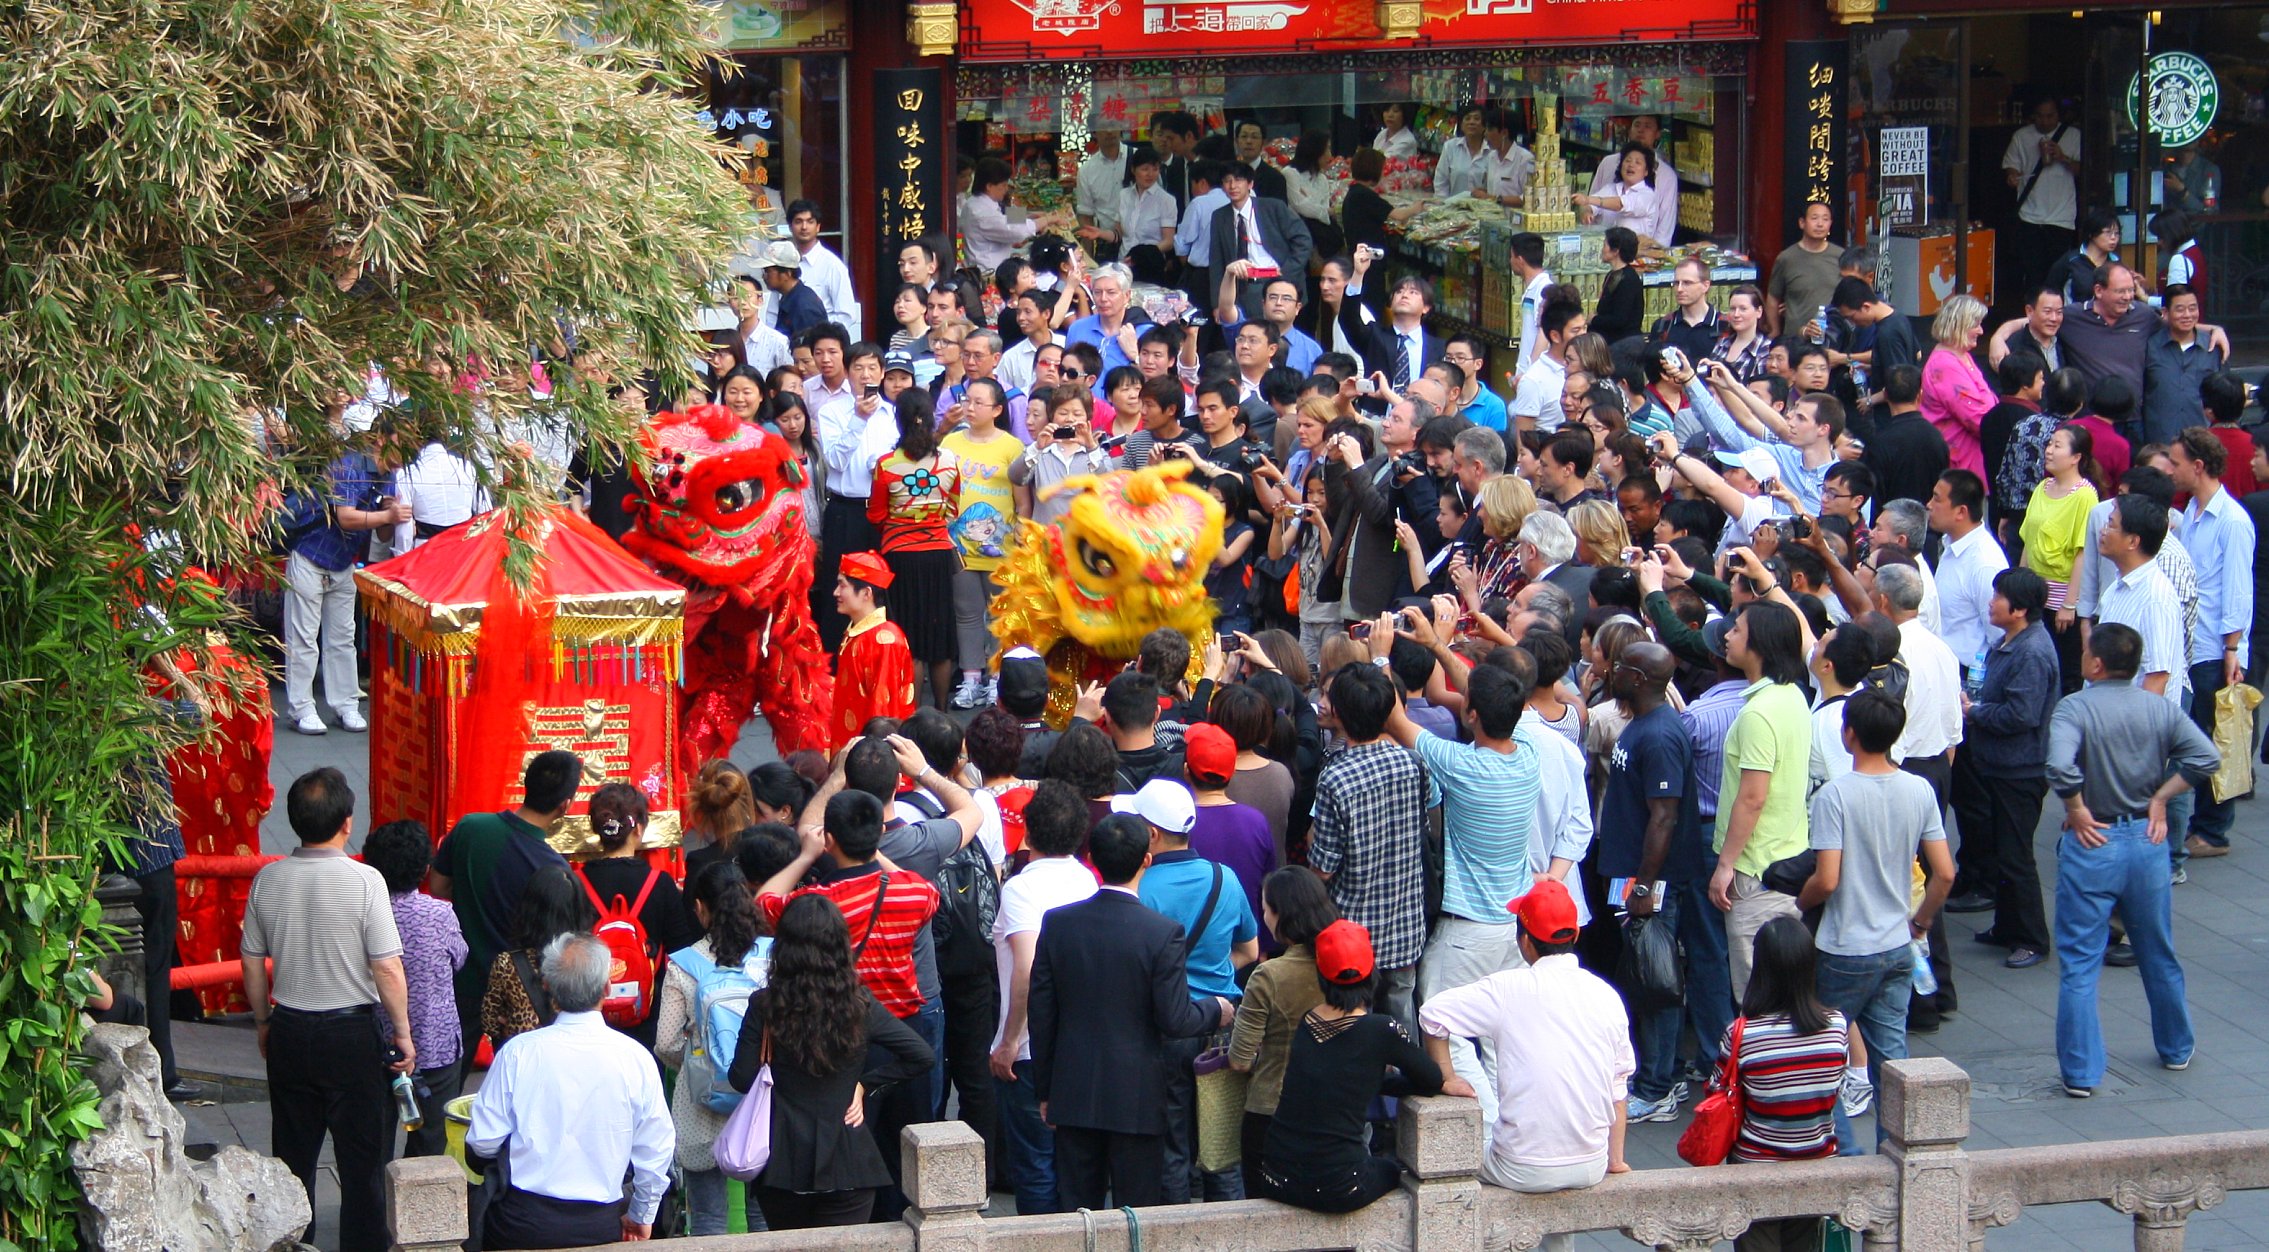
{"x":2211,"y":819}
{"x":2179,"y":810}
{"x":1030,"y":1143}
{"x":2129,"y":872}
{"x":708,"y":1210}
{"x":1709,"y":969}
{"x":1871,"y":992}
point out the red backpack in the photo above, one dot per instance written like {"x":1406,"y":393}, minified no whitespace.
{"x":630,"y":976}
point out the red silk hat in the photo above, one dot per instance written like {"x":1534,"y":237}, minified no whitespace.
{"x":1547,"y":912}
{"x":867,"y":567}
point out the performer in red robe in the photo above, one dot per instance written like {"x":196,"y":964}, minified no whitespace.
{"x":874,"y":669}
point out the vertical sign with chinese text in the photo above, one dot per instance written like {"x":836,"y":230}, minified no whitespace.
{"x":1814,"y":162}
{"x":909,"y":163}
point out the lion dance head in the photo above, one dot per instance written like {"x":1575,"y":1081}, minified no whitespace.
{"x":1129,"y":556}
{"x":719,"y":506}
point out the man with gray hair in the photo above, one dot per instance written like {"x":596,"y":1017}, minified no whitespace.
{"x":1112,"y":327}
{"x":1925,"y":747}
{"x":1541,"y":605}
{"x":1547,"y":553}
{"x":571,"y":1109}
{"x":1477,"y":455}
{"x":1904,"y":525}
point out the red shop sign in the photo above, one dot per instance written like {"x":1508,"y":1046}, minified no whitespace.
{"x":1019,"y":30}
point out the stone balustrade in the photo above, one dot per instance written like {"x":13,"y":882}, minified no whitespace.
{"x":1922,"y":1193}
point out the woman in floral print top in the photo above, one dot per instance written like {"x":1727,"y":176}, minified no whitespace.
{"x":433,"y":949}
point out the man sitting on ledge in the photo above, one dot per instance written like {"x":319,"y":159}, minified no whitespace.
{"x":572,"y":1108}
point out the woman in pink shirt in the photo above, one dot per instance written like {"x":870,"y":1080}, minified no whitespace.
{"x":1955,"y":395}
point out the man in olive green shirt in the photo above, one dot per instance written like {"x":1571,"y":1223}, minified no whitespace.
{"x":1761,"y":815}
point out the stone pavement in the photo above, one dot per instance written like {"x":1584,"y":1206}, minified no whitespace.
{"x":2004,"y":1035}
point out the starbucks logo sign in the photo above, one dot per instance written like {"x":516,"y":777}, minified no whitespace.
{"x":2184,"y":98}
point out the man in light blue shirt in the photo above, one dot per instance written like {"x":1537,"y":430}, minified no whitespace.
{"x":2219,"y":535}
{"x":1194,"y":237}
{"x":1802,"y":443}
{"x":1488,"y":794}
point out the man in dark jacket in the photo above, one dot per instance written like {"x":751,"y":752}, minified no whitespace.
{"x":1107,"y":992}
{"x":1254,"y":239}
{"x":2001,"y":775}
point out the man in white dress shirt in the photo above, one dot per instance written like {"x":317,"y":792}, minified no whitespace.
{"x":1660,"y":225}
{"x":573,"y":1107}
{"x":823,"y":271}
{"x":1095,"y":196}
{"x":1508,"y":165}
{"x":2039,"y":165}
{"x":986,"y":230}
{"x":1967,"y":562}
{"x":763,"y":348}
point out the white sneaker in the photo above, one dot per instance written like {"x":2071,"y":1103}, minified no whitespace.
{"x":1663,"y":1110}
{"x":310,"y":725}
{"x":992,"y":691}
{"x":351,"y":719}
{"x":971,"y":690}
{"x":1857,"y":1092}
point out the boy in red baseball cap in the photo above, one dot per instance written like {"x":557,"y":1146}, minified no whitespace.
{"x":874,"y":669}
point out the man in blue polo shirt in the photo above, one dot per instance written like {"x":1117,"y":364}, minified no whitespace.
{"x":1487,"y":790}
{"x":1222,"y":937}
{"x":327,"y":533}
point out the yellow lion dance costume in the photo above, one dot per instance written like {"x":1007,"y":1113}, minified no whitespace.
{"x":1130,"y":556}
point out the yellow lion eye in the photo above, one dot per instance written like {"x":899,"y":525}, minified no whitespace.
{"x":1096,"y":562}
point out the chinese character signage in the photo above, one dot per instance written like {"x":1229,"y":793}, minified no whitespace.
{"x":776,"y":25}
{"x":998,"y":30}
{"x":909,"y":170}
{"x":1814,"y":162}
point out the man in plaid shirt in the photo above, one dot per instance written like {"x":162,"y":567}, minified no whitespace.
{"x":1369,"y":836}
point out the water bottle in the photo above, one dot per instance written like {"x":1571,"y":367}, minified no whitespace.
{"x":405,"y":1096}
{"x":1925,"y":982}
{"x":1973,"y":680}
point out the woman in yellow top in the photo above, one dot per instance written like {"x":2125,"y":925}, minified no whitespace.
{"x":981,"y":531}
{"x":2055,"y":529}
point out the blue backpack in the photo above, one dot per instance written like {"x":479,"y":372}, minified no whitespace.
{"x":721,"y":994}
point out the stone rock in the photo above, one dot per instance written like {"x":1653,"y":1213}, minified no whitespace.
{"x":142,"y":1191}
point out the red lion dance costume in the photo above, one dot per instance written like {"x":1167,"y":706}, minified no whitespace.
{"x":720,"y":508}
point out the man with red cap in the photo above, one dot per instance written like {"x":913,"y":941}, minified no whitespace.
{"x":874,"y":669}
{"x":1564,"y":1058}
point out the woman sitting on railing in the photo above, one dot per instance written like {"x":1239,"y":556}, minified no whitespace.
{"x":1317,"y":1154}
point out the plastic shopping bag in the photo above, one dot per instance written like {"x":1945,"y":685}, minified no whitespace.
{"x":2233,"y":737}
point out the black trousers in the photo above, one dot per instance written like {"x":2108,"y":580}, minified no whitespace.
{"x":1094,"y":1164}
{"x":160,"y":911}
{"x":471,"y":982}
{"x":1938,"y":772}
{"x":523,"y":1219}
{"x":843,"y":527}
{"x":1343,"y":1192}
{"x":972,"y":1012}
{"x":1252,"y":1137}
{"x":1976,"y":859}
{"x":796,"y":1210}
{"x":436,"y":1088}
{"x":327,"y":1076}
{"x":2013,"y":812}
{"x":2033,"y":248}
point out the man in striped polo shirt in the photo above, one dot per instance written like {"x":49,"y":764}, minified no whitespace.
{"x":328,"y":923}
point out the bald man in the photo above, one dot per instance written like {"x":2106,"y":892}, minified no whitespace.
{"x":1651,"y":834}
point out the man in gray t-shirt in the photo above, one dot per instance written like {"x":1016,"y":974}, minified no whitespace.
{"x":1867,"y":828}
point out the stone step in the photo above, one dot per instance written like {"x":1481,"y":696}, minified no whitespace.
{"x":223,"y":1055}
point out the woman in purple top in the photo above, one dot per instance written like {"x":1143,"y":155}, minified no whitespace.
{"x":432,"y":951}
{"x":1232,"y":835}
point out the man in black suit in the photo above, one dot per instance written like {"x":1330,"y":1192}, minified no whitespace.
{"x":1399,"y":349}
{"x":1392,"y":486}
{"x":1254,"y":239}
{"x":1108,"y":989}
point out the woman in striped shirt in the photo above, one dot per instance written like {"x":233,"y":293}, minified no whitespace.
{"x":1790,"y":1068}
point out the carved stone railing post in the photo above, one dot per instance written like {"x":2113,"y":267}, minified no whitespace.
{"x":2162,"y":1204}
{"x":425,"y":1204}
{"x":123,"y":969}
{"x":1438,"y":1139}
{"x":944,"y":1171}
{"x":1925,"y":1110}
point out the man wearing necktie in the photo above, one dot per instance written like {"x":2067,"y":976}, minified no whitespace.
{"x":1400,"y":350}
{"x":1253,"y":240}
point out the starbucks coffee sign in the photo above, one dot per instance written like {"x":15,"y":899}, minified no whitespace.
{"x":2184,"y":98}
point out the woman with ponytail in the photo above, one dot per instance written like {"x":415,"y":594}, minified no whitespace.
{"x":732,"y":939}
{"x":618,"y":818}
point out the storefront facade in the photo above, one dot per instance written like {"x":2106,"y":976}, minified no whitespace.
{"x":1938,"y":89}
{"x":781,"y":100}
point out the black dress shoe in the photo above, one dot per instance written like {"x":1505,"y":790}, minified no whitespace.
{"x":183,"y":1089}
{"x":2120,"y":954}
{"x":1972,"y":903}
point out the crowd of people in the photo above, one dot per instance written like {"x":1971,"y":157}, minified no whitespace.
{"x":1766,"y":630}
